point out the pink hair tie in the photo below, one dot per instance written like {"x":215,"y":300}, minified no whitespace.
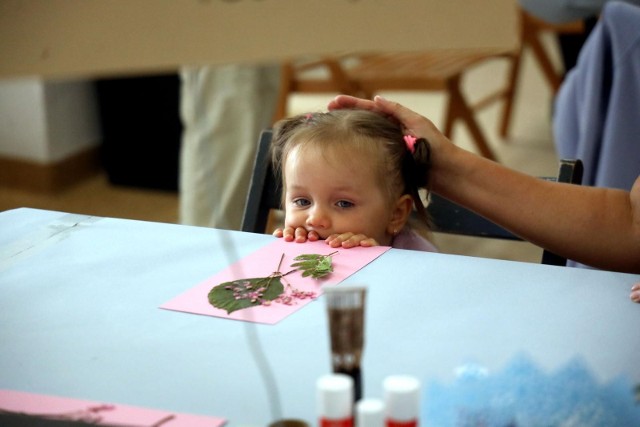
{"x":410,"y":140}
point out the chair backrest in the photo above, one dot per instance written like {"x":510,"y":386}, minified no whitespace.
{"x":451,"y":218}
{"x":265,"y":192}
{"x":265,"y":189}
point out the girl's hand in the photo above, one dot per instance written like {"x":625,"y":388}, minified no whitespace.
{"x":350,"y":240}
{"x":297,"y":234}
{"x":635,"y":293}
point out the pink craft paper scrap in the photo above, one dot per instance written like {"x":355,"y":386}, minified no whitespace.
{"x":262,"y":263}
{"x":104,"y":414}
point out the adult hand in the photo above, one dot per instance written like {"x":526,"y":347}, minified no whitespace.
{"x":414,"y":123}
{"x":635,"y":293}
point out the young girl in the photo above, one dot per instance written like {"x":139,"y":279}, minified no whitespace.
{"x":351,"y":177}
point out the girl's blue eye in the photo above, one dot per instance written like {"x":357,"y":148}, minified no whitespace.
{"x":301,"y":202}
{"x":344,"y":204}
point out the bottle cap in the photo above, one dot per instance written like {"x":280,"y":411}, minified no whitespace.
{"x":402,"y":397}
{"x":334,"y":394}
{"x":370,"y":413}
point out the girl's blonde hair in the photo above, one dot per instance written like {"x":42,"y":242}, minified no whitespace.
{"x":398,"y":170}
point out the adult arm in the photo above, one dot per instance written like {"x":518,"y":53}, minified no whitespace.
{"x":595,"y":226}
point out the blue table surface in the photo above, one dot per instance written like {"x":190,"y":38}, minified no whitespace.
{"x":79,"y":317}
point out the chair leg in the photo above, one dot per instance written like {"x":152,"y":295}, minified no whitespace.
{"x":286,"y":83}
{"x":510,"y":93}
{"x":459,"y":109}
{"x":531,"y":38}
{"x":451,"y":115}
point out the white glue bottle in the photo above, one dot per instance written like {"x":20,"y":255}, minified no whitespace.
{"x":334,"y":400}
{"x":370,"y":413}
{"x":402,"y":400}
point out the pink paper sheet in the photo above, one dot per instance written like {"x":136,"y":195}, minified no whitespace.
{"x":262,"y":263}
{"x":103,"y":414}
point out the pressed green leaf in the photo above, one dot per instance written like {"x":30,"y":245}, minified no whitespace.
{"x":222,"y":296}
{"x":314,"y":265}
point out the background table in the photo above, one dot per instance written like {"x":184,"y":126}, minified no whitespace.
{"x":79,"y":317}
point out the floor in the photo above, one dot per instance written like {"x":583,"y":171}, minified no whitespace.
{"x":529,"y":148}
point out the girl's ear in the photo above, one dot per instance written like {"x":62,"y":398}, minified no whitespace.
{"x":400,"y":214}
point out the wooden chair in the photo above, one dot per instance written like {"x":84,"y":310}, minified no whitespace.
{"x":531,"y":33}
{"x":265,"y":192}
{"x":365,"y":74}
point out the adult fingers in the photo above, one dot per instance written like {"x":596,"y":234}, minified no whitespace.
{"x":351,"y":102}
{"x":635,"y":293}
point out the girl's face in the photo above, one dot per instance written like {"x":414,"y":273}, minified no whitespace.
{"x":337,"y":196}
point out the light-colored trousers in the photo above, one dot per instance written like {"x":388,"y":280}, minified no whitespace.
{"x":223,"y":109}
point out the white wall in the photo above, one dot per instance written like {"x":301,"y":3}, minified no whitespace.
{"x":45,"y":122}
{"x":72,"y":118}
{"x":23,"y":131}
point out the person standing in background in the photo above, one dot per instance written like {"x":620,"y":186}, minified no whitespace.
{"x":223,"y":109}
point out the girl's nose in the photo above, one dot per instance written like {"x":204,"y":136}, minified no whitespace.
{"x":318,"y":218}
